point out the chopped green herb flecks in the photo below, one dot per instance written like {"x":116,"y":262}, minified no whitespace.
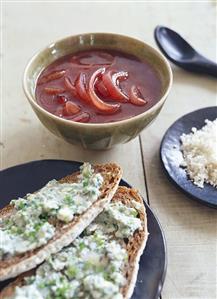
{"x":32,"y":223}
{"x":93,"y":265}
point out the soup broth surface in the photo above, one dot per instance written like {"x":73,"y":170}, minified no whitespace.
{"x":98,"y":86}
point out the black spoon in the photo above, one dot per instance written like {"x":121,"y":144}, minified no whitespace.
{"x":181,"y":53}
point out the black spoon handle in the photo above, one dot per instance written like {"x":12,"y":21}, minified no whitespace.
{"x":203,"y":65}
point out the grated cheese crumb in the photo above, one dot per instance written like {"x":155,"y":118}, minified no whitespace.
{"x":199,"y":150}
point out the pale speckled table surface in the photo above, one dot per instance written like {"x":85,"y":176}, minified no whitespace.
{"x":190,"y":229}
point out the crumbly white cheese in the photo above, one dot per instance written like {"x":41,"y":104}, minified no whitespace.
{"x":199,"y":150}
{"x":29,"y":225}
{"x":27,"y":291}
{"x":121,"y":220}
{"x":65,"y":214}
{"x":93,"y":266}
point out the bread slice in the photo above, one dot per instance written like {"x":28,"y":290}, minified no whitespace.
{"x":135,"y":246}
{"x":65,"y":233}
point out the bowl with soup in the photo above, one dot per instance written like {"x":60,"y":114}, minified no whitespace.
{"x":97,"y":90}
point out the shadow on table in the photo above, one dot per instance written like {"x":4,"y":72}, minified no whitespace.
{"x":187,"y":78}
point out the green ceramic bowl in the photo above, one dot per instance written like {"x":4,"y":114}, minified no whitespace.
{"x":87,"y":135}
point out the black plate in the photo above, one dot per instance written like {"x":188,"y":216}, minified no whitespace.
{"x":171,"y":155}
{"x":19,"y":180}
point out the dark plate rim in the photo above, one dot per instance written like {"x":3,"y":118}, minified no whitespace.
{"x":161,"y":281}
{"x":122,"y":182}
{"x":167,"y":172}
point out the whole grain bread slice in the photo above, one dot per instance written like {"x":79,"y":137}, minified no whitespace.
{"x":65,"y":233}
{"x":135,"y":246}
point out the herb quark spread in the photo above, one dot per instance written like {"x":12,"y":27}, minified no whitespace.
{"x":33,"y":220}
{"x":93,"y":266}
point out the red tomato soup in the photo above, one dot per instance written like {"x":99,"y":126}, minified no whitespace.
{"x":98,"y":86}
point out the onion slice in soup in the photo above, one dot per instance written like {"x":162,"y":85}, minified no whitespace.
{"x":96,"y":101}
{"x":70,"y":87}
{"x":71,"y":108}
{"x":81,"y":87}
{"x":87,"y":60}
{"x":102,"y":90}
{"x":54,"y":90}
{"x":51,"y":77}
{"x":111,"y":83}
{"x":135,"y":97}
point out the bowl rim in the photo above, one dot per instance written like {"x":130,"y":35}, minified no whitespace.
{"x":157,"y":105}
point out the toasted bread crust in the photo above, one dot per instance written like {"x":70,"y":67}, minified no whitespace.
{"x":135,"y":246}
{"x":65,"y":233}
{"x":137,"y":242}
